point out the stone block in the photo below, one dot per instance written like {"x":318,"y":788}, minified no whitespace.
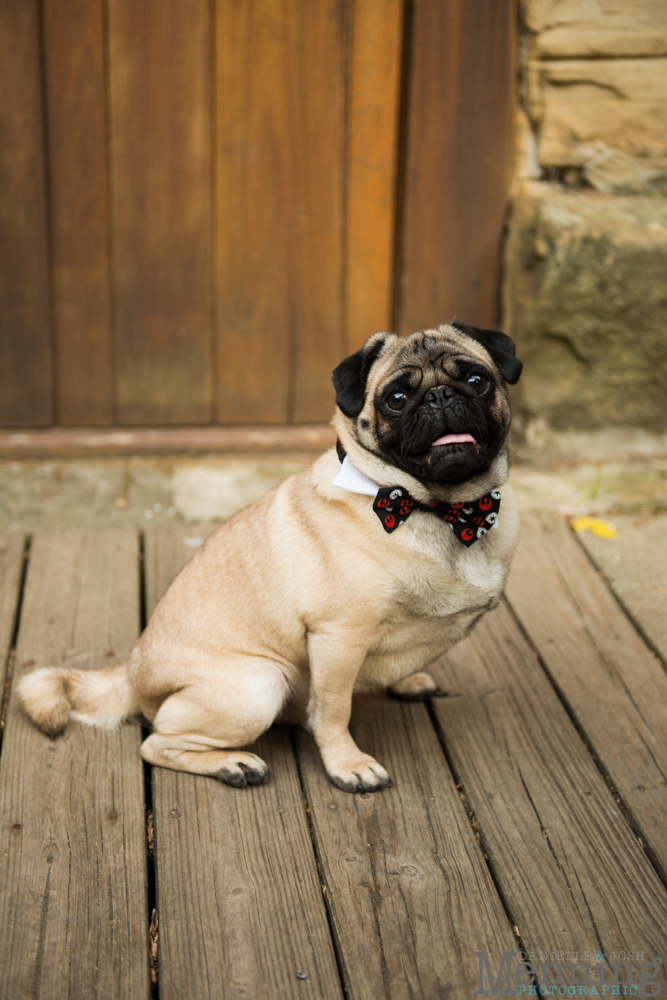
{"x":540,"y":15}
{"x":595,"y":28}
{"x":585,"y":298}
{"x":578,"y":104}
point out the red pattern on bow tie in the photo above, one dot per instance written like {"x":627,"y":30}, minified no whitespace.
{"x":469,"y":521}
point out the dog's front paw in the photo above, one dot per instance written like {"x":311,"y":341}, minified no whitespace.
{"x":362,"y":775}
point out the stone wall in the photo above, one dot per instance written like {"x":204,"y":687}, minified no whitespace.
{"x":585,"y":287}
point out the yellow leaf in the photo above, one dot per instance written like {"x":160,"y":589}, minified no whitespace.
{"x":601,"y":529}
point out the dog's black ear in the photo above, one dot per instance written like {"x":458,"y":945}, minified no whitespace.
{"x":351,"y":376}
{"x":501,"y":348}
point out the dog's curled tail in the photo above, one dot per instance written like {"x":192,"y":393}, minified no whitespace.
{"x":98,"y":697}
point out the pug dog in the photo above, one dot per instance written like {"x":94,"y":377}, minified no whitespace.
{"x":353,"y":575}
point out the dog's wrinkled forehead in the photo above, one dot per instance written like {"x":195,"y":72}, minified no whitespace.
{"x":442,"y":346}
{"x":428,"y":356}
{"x":433,"y":356}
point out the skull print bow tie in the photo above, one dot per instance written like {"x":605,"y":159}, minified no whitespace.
{"x":469,"y":521}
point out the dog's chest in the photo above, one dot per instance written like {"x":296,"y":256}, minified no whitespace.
{"x":438,"y":594}
{"x":426,"y":615}
{"x":438,"y":577}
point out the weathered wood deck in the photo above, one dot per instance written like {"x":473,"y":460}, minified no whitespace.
{"x":530,"y":810}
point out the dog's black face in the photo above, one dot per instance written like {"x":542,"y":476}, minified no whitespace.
{"x":439,"y":422}
{"x":433,"y":404}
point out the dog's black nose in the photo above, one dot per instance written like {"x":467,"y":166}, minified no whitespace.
{"x":437,"y":396}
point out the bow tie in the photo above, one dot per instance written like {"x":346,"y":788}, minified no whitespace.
{"x":393,"y":504}
{"x":469,"y":521}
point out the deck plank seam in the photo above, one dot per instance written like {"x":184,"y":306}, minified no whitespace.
{"x":151,"y":855}
{"x":646,"y":639}
{"x":8,"y":668}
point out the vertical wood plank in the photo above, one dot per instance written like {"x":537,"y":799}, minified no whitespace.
{"x":249,"y":914}
{"x":160,"y":124}
{"x":459,"y":129}
{"x":375,"y":68}
{"x":72,"y":826}
{"x":410,"y":895}
{"x":76,"y":107}
{"x":25,"y":338}
{"x":280,"y":99}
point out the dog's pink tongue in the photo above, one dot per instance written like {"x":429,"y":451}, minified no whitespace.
{"x":455,"y":439}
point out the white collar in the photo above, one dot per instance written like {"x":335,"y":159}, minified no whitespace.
{"x":349,"y":478}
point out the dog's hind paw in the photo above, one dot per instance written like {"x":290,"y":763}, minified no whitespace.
{"x":243,"y":769}
{"x":416,"y":687}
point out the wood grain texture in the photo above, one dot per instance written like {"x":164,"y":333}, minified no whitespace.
{"x":11,"y":564}
{"x":72,"y":830}
{"x":279,"y":175}
{"x":239,"y":901}
{"x":26,"y":395}
{"x":459,"y":132}
{"x":410,"y":894}
{"x":76,"y":110}
{"x":373,"y":119}
{"x":159,"y":63}
{"x":614,"y":685}
{"x":572,"y":874}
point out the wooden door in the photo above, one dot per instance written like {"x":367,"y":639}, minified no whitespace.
{"x":204,"y":206}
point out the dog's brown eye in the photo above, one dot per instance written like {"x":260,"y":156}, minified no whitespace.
{"x":479,"y":382}
{"x":397,"y":400}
